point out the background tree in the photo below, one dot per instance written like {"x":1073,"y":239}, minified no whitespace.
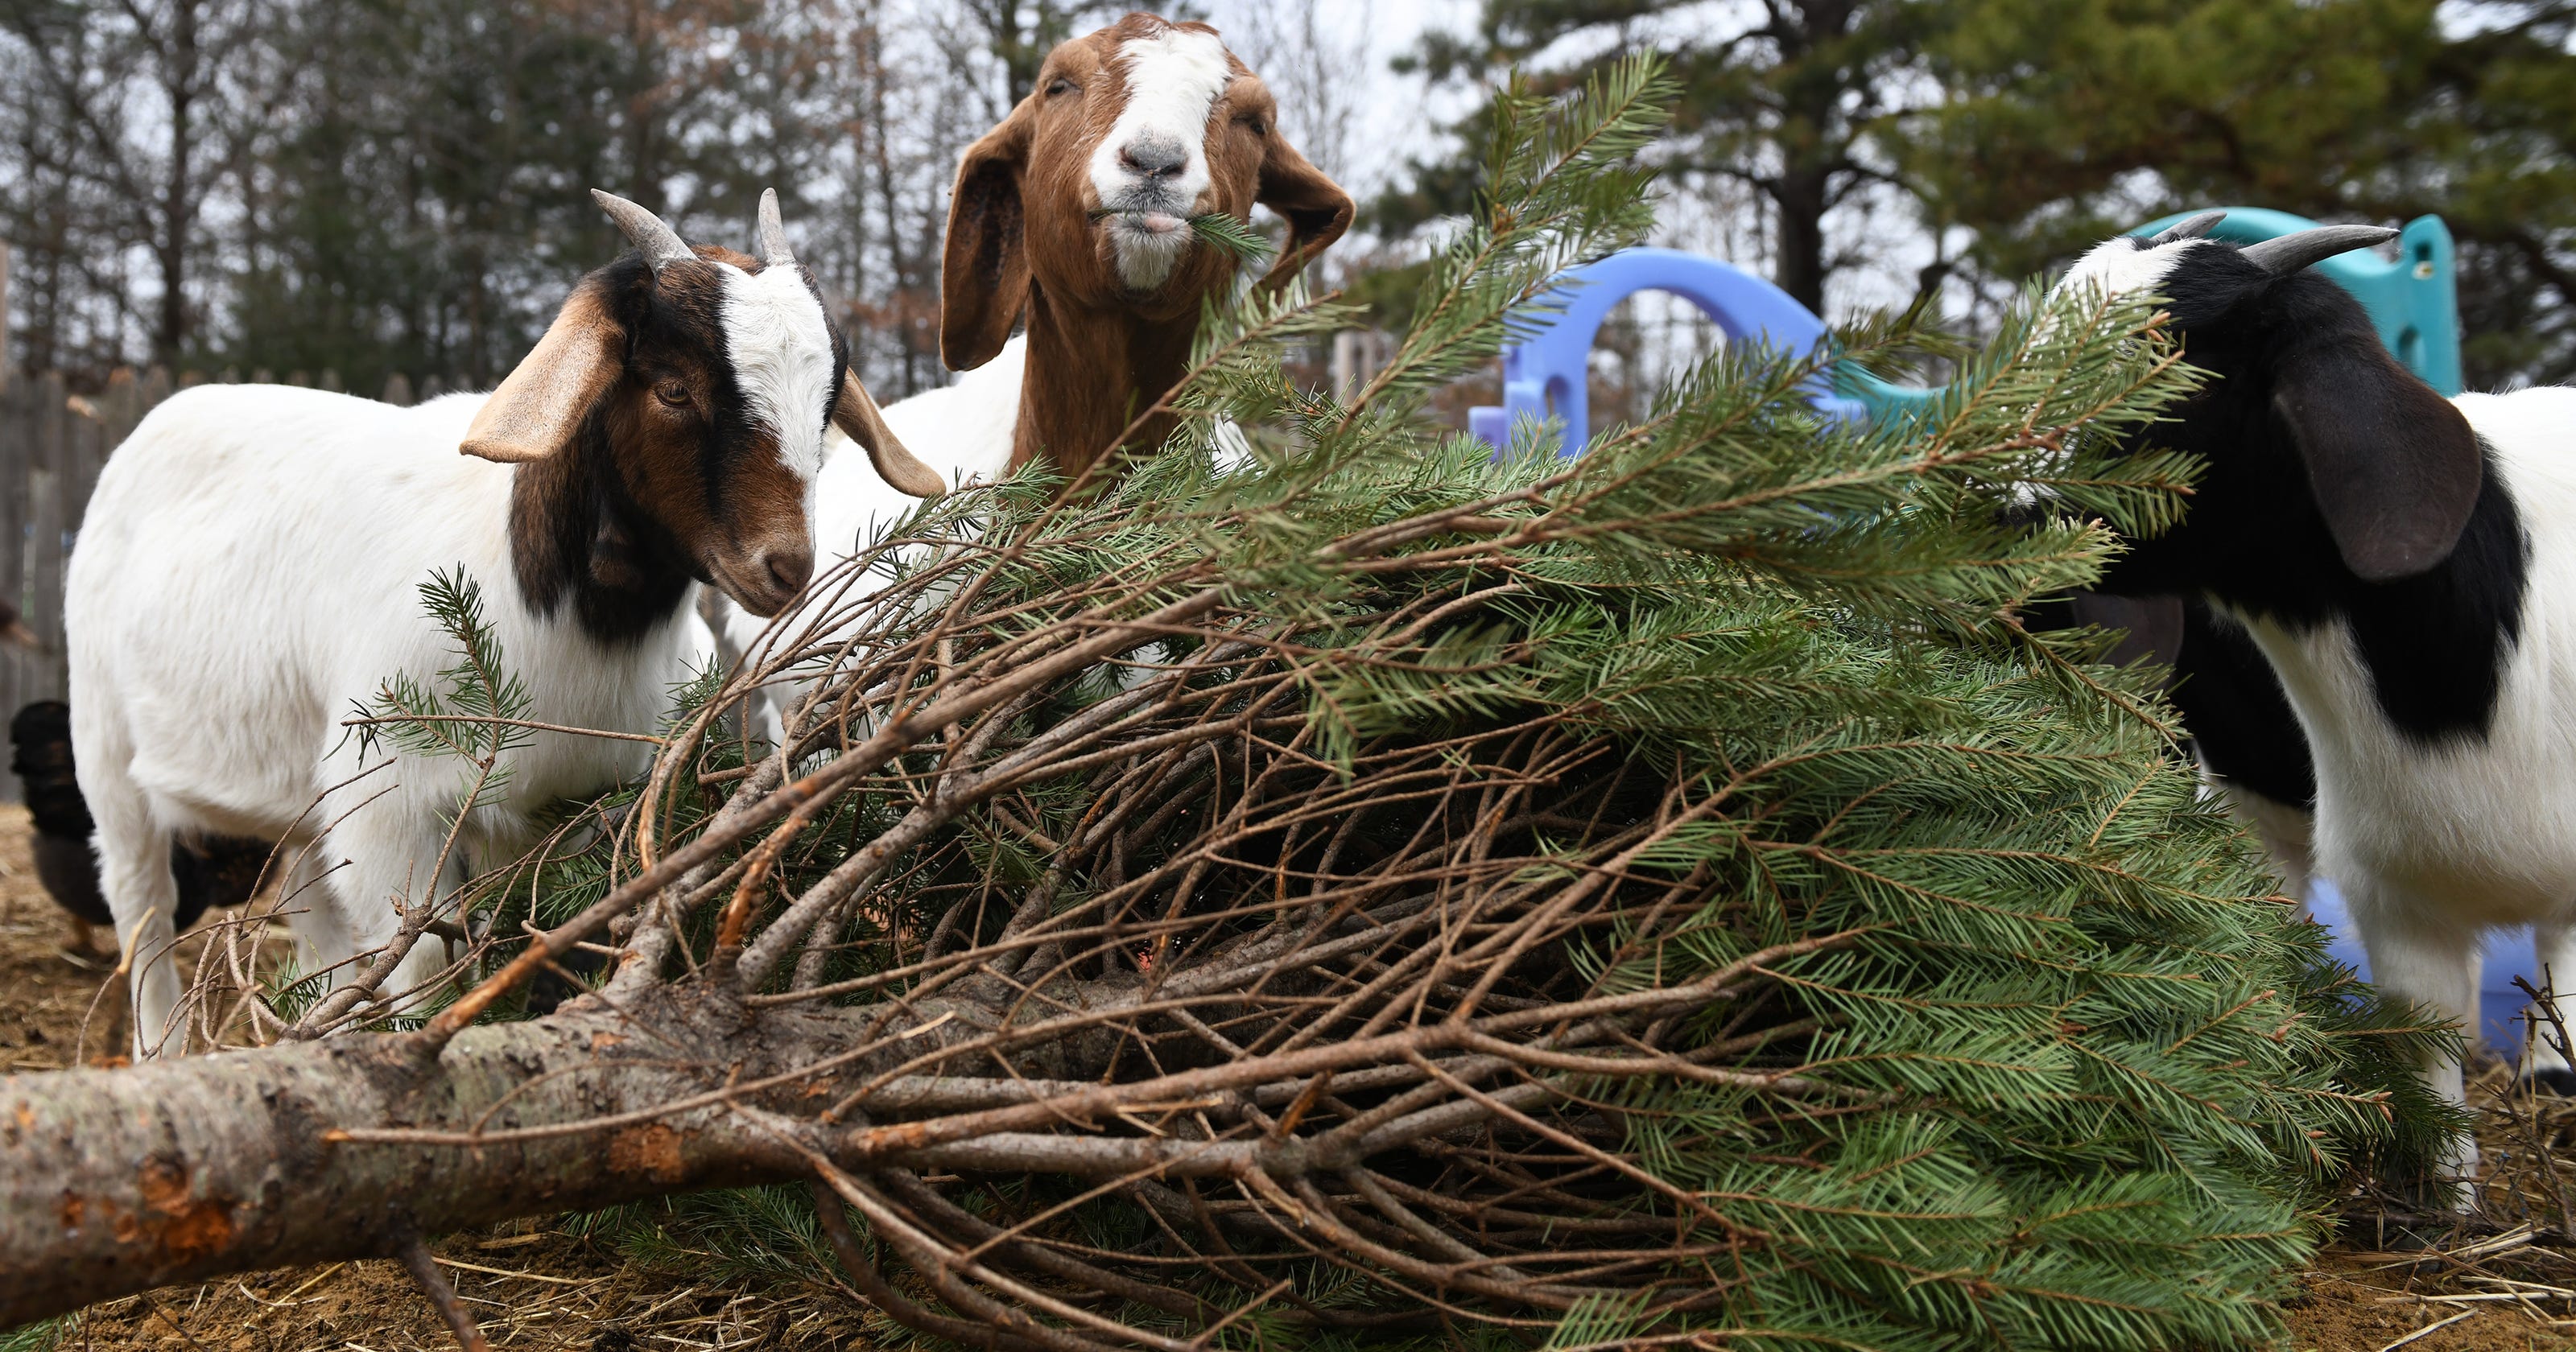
{"x":123,"y":120}
{"x":394,"y":186}
{"x":1993,"y":139}
{"x":2065,"y":121}
{"x":1778,"y":108}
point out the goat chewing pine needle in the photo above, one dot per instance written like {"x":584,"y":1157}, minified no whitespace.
{"x":1218,"y":229}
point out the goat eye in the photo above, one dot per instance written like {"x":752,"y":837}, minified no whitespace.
{"x":1259,"y":127}
{"x":673,"y":393}
{"x":1060,"y":85}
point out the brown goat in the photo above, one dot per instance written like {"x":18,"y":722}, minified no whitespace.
{"x":1076,"y":210}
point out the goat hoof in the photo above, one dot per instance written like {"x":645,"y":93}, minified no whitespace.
{"x":2558,"y":1080}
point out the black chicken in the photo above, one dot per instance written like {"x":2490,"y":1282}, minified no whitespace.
{"x":211,"y":870}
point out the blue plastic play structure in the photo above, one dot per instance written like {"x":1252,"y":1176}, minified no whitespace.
{"x":1543,"y":375}
{"x":2412,"y":301}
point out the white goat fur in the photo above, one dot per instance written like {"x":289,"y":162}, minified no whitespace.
{"x":249,"y":574}
{"x":2433,"y":845}
{"x":963,"y":430}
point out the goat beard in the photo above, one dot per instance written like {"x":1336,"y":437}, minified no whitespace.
{"x":1145,"y":246}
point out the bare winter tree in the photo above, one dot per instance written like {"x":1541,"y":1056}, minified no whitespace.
{"x":126,"y":120}
{"x":1317,"y":67}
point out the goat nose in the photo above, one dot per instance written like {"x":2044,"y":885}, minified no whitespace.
{"x":1154,"y":157}
{"x":788,"y":568}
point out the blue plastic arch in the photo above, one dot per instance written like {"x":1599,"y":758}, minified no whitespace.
{"x":2413,"y":300}
{"x":1543,"y":375}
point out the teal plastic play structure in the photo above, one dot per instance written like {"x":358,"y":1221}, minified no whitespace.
{"x":2413,"y":301}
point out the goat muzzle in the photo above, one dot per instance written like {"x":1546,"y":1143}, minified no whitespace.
{"x":764,"y":578}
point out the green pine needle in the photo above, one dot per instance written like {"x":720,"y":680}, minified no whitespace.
{"x":1236,"y":237}
{"x":1218,"y":229}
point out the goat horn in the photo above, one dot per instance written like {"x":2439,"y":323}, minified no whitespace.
{"x":2190,"y":227}
{"x":773,"y":233}
{"x":644,"y":230}
{"x":2291,"y":253}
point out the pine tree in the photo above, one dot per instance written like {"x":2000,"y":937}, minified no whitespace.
{"x":1983,"y":1028}
{"x":2064,"y":122}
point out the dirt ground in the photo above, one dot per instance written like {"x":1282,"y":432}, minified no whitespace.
{"x":541,"y":1285}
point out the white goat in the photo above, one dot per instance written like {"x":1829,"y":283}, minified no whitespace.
{"x":249,"y":568}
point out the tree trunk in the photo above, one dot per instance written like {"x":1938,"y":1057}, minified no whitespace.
{"x":113,"y":1182}
{"x":178,"y":203}
{"x":1800,"y":199}
{"x":1814,"y":137}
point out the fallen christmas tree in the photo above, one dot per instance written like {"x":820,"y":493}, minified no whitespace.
{"x":1376,"y":890}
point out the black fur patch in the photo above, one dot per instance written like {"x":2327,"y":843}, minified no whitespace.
{"x":210,"y":870}
{"x":2558,"y":1080}
{"x":2239,"y":717}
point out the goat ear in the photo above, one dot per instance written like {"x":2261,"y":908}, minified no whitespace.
{"x":984,"y":270}
{"x":1317,"y":209}
{"x":540,"y":406}
{"x":857,"y":417}
{"x":2392,"y":465}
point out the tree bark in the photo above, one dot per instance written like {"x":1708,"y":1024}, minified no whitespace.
{"x":179,"y":197}
{"x":118,"y":1181}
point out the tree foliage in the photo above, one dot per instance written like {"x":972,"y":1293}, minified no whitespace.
{"x":2019,"y":132}
{"x":1775,"y":107}
{"x":2067,"y":122}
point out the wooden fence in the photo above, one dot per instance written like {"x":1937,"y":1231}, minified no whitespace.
{"x":52,"y":446}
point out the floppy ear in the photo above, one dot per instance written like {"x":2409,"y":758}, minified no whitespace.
{"x":857,"y":417}
{"x":2392,"y":465}
{"x":984,"y":270}
{"x":1317,"y":209}
{"x":540,"y":406}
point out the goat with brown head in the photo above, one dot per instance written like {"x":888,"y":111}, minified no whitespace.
{"x":671,"y":425}
{"x":1077,"y":209}
{"x":1076,"y":212}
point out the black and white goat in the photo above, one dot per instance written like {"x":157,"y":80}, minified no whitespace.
{"x":2388,"y":552}
{"x":249,"y":569}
